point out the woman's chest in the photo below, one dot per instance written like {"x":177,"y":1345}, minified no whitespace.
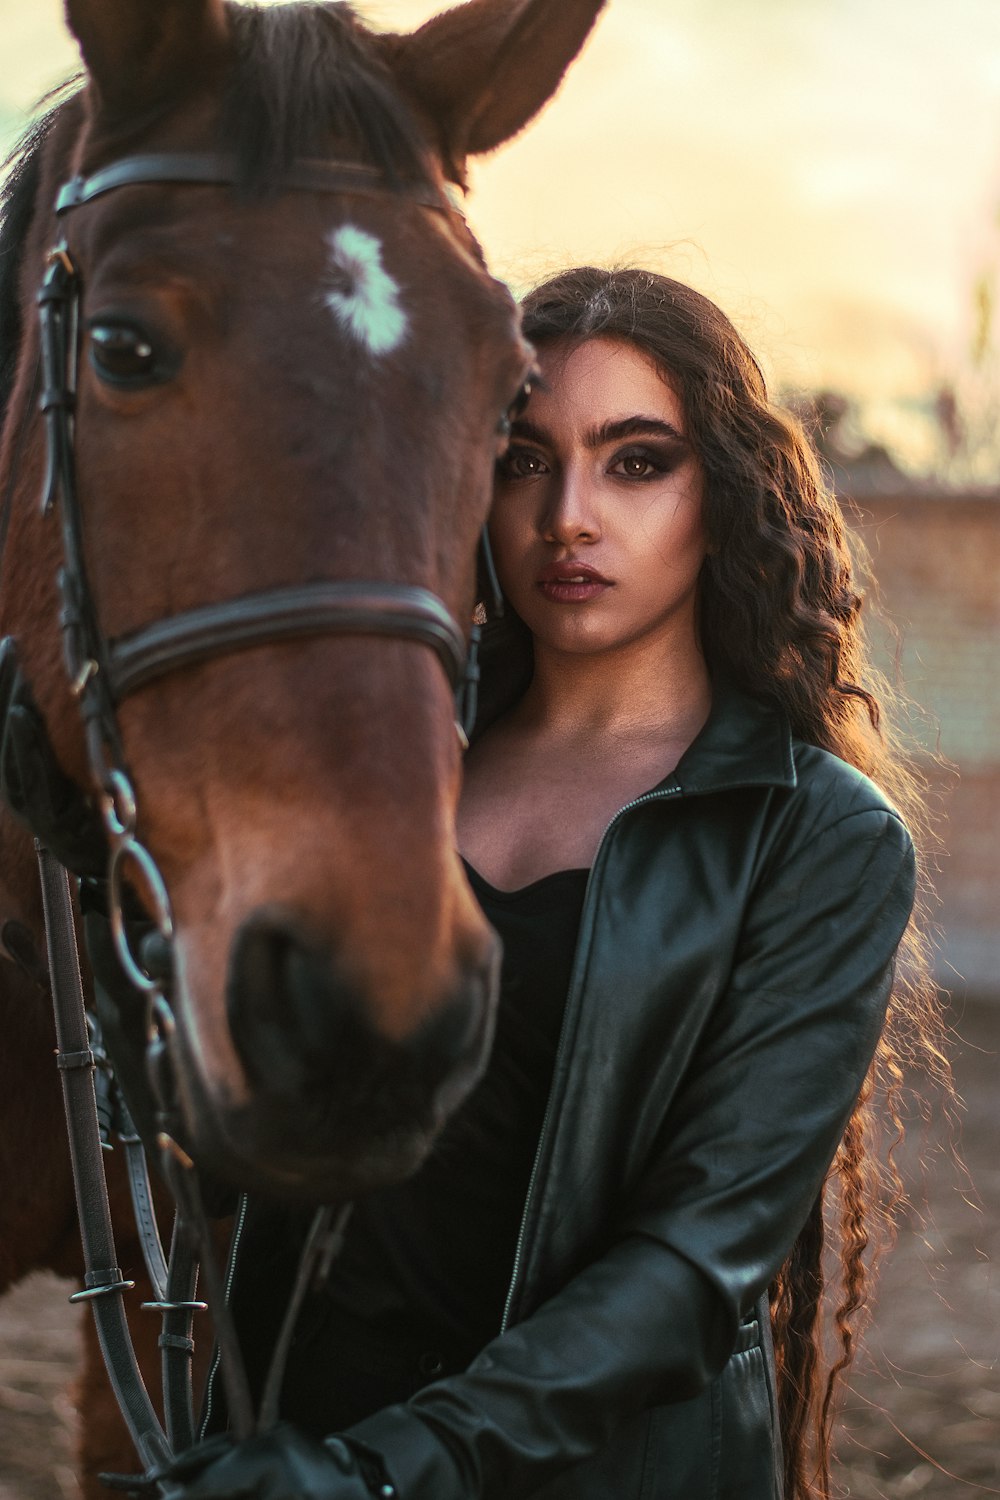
{"x":520,"y":823}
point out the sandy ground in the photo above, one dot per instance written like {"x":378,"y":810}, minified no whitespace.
{"x":37,"y":1417}
{"x":923,"y":1416}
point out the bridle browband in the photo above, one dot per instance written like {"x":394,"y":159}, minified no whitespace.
{"x":217,"y":169}
{"x":104,"y":671}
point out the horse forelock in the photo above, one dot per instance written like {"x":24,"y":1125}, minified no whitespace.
{"x":303,"y":77}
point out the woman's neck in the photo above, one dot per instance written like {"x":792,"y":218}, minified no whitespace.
{"x":638,"y":691}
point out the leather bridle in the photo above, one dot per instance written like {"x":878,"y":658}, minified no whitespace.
{"x":104,"y":671}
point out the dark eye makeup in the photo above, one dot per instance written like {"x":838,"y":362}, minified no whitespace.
{"x":520,"y":463}
{"x":647,"y":460}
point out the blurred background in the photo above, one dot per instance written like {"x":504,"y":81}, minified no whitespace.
{"x":829,"y":172}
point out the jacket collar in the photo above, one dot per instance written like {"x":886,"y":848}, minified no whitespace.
{"x":745,"y":742}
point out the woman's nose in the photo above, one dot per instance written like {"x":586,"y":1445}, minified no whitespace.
{"x":571,"y":514}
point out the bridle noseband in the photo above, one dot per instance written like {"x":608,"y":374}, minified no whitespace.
{"x":102,"y":671}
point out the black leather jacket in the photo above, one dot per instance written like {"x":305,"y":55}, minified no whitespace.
{"x":731,"y":977}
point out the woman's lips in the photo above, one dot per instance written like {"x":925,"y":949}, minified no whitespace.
{"x":571,"y":591}
{"x":572,"y":583}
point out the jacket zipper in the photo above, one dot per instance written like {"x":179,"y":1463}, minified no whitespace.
{"x":571,"y":1002}
{"x":234,"y":1246}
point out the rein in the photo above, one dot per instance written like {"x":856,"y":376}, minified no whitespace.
{"x":102,"y":673}
{"x":103,"y":1280}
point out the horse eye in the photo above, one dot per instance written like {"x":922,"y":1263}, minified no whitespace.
{"x":122,"y":354}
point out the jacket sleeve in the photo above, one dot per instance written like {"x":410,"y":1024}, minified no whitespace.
{"x":742,"y":1152}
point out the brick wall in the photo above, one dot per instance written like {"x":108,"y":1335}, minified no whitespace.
{"x":936,"y":559}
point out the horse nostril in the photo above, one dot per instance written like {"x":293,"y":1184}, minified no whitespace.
{"x":298,"y":1023}
{"x":285,"y":1009}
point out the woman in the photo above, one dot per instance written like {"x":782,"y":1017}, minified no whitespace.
{"x":668,"y":817}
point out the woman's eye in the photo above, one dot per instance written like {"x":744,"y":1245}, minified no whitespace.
{"x":122,"y":354}
{"x":635,"y":466}
{"x":520,"y":463}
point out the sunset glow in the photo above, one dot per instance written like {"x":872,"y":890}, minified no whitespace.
{"x":829,"y":170}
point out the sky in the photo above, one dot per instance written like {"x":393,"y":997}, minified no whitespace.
{"x":828,"y":170}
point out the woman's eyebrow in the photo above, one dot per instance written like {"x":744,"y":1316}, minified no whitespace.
{"x":613,"y":432}
{"x":607,"y":432}
{"x":522,"y":427}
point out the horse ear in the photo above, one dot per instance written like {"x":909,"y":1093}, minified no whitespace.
{"x":481,"y":71}
{"x":140,"y":53}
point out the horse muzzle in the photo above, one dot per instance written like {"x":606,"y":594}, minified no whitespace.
{"x":332,"y":1107}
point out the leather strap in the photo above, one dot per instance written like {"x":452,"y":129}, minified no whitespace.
{"x":176,"y":1343}
{"x":356,"y":608}
{"x":142,"y":1205}
{"x":215,"y":169}
{"x":174,"y":1285}
{"x":103,"y":1281}
{"x":104,"y":1284}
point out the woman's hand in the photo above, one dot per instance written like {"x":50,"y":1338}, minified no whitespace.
{"x":283,"y":1464}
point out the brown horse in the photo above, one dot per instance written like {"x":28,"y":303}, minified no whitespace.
{"x":281,"y":383}
{"x":280,"y":386}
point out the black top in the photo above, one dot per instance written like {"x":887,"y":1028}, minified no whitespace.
{"x":421,"y":1283}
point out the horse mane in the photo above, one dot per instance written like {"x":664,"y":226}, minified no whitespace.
{"x":21,"y":171}
{"x":301,"y":76}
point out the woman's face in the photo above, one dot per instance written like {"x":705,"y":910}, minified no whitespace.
{"x":597,"y":521}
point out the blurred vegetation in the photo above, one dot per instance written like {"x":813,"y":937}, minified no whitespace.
{"x":857,"y":463}
{"x":968,"y":406}
{"x":949,"y":437}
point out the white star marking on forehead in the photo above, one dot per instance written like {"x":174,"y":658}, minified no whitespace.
{"x":364,"y":298}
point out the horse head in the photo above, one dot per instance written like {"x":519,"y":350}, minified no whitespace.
{"x":291,"y":374}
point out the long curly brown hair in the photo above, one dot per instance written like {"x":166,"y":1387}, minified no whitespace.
{"x":781,"y":613}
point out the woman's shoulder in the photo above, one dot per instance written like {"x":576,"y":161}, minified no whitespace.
{"x":839,"y":834}
{"x":832,"y":789}
{"x":748,"y":740}
{"x":818,"y":809}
